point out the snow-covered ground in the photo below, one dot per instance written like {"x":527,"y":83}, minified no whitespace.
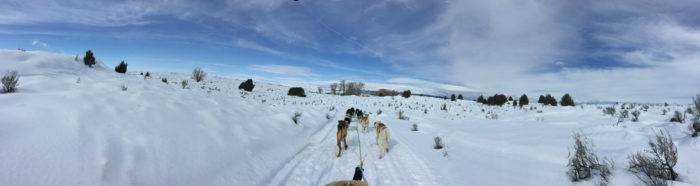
{"x":73,"y":125}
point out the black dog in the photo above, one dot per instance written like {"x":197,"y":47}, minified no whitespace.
{"x":359,"y":113}
{"x":350,"y":112}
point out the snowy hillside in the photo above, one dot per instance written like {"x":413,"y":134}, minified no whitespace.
{"x":68,"y":124}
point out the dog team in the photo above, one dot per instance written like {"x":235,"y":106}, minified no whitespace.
{"x":381,"y":130}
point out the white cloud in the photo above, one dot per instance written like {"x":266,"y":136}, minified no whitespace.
{"x":283,"y":69}
{"x":36,"y":42}
{"x":242,"y":43}
{"x":412,"y":82}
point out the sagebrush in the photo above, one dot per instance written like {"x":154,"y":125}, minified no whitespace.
{"x":584,"y":163}
{"x":655,"y":165}
{"x":10,"y":81}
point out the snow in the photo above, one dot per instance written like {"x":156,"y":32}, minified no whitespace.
{"x":73,"y":125}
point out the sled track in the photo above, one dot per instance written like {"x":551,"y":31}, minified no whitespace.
{"x":316,"y":164}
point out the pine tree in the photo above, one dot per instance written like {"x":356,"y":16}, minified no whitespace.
{"x":480,"y":99}
{"x":567,"y":101}
{"x":247,"y":85}
{"x":524,"y":100}
{"x":460,"y":97}
{"x":296,"y":91}
{"x":549,"y":100}
{"x":89,"y":59}
{"x":453,"y":97}
{"x":406,"y":94}
{"x":121,"y":68}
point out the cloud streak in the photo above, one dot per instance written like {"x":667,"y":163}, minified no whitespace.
{"x":283,"y":69}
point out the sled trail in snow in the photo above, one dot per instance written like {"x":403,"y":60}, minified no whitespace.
{"x":316,"y":163}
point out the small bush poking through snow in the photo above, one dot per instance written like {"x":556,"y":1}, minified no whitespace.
{"x":444,"y":106}
{"x":625,"y":114}
{"x":696,"y":128}
{"x":164,"y":80}
{"x":198,"y":74}
{"x":678,"y":117}
{"x":584,"y":163}
{"x":9,"y":81}
{"x":296,"y":91}
{"x":296,"y":117}
{"x":402,"y":116}
{"x":439,"y":144}
{"x":609,"y":111}
{"x":635,"y":116}
{"x":696,"y":104}
{"x":656,"y":165}
{"x":184,"y":83}
{"x":414,"y":127}
{"x":696,"y":121}
{"x":124,"y":87}
{"x":247,"y":85}
{"x":379,"y":112}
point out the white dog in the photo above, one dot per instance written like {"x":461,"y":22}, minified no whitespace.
{"x":382,"y":138}
{"x":364,"y":121}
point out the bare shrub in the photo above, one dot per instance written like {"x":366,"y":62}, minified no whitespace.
{"x":491,"y":115}
{"x":625,"y":114}
{"x":296,"y":117}
{"x":379,"y":112}
{"x":678,"y":117}
{"x":10,"y":81}
{"x":696,"y":104}
{"x":414,"y":127}
{"x":439,"y":144}
{"x":402,"y":116}
{"x":198,"y":74}
{"x":635,"y":116}
{"x":124,"y":87}
{"x":444,"y":106}
{"x":655,"y":165}
{"x":696,"y":128}
{"x":696,"y":121}
{"x":584,"y":163}
{"x":609,"y":111}
{"x":164,"y":80}
{"x":184,"y":83}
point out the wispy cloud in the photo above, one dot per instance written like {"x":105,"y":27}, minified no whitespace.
{"x":38,"y":43}
{"x":505,"y":46}
{"x":283,"y":69}
{"x":434,"y":85}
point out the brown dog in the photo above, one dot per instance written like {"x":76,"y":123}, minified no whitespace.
{"x":382,"y":138}
{"x":341,"y":134}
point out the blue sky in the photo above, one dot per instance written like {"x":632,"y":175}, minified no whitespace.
{"x":627,"y":50}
